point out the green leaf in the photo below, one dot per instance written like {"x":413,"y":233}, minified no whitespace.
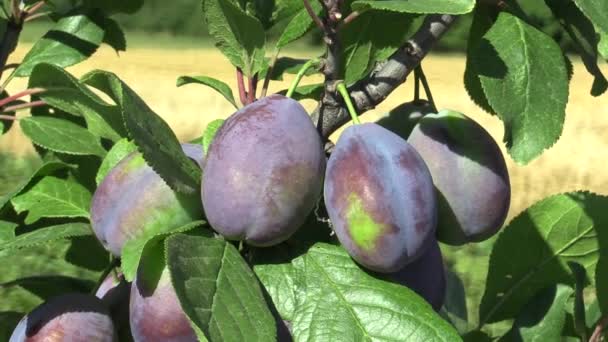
{"x":119,"y":151}
{"x":372,"y":37}
{"x":155,"y":139}
{"x":7,"y":231}
{"x":483,"y":19}
{"x":213,"y":83}
{"x":518,"y":66}
{"x":596,"y":11}
{"x":602,"y":46}
{"x":279,"y":280}
{"x":73,"y":39}
{"x":134,"y":248}
{"x":311,"y":91}
{"x":238,"y":35}
{"x":585,"y":39}
{"x":560,"y":229}
{"x":61,"y":136}
{"x":210,"y":132}
{"x":543,"y":318}
{"x":66,"y":93}
{"x":114,"y":35}
{"x":45,"y":235}
{"x":416,"y":6}
{"x":49,"y":167}
{"x":455,"y":304}
{"x":580,"y":281}
{"x":359,"y":306}
{"x":217,"y":289}
{"x":53,"y":197}
{"x":298,"y":25}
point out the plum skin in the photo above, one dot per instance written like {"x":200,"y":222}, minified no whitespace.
{"x":470,"y":175}
{"x":425,"y":276}
{"x":380,"y":198}
{"x":114,"y":291}
{"x":133,"y":198}
{"x":156,"y":313}
{"x":75,"y":317}
{"x":263,"y":173}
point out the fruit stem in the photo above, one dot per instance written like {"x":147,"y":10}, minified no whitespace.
{"x":349,"y":104}
{"x":292,"y":88}
{"x":416,"y":85}
{"x":114,"y":262}
{"x":427,"y":88}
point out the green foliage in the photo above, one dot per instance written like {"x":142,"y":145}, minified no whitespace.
{"x":557,"y":230}
{"x":214,"y":84}
{"x":299,"y":24}
{"x":218,"y":290}
{"x":73,"y":39}
{"x":516,"y":59}
{"x":237,"y":34}
{"x":416,"y":6}
{"x":47,"y":235}
{"x":210,"y":132}
{"x":53,"y":197}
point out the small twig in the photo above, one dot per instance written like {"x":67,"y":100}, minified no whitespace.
{"x":349,"y":18}
{"x":266,"y":84}
{"x":8,"y":117}
{"x":36,"y":16}
{"x":23,"y":106}
{"x":253,"y":82}
{"x":19,"y":95}
{"x":416,"y":86}
{"x":241,"y":84}
{"x":11,"y":66}
{"x":597,"y":333}
{"x":34,"y":8}
{"x":114,"y":262}
{"x":16,"y":10}
{"x":313,"y":15}
{"x":425,"y":84}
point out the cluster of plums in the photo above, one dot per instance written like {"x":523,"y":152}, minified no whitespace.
{"x":390,"y":201}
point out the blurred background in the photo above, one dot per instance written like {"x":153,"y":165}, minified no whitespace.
{"x":168,"y":39}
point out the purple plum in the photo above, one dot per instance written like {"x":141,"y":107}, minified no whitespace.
{"x":380,"y":198}
{"x":71,"y":317}
{"x":155,"y":312}
{"x":425,"y":276}
{"x":263,"y":173}
{"x":133,"y":198}
{"x":470,"y":174}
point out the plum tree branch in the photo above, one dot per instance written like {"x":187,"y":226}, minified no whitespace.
{"x":386,"y":77}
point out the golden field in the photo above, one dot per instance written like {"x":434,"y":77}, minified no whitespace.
{"x":574,"y":162}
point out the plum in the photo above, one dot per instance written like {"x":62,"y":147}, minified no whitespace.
{"x":155,"y":311}
{"x":470,"y":175}
{"x":114,"y":291}
{"x":402,"y":119}
{"x":263,"y":173}
{"x":425,"y":276}
{"x":133,"y":198}
{"x":380,"y":198}
{"x":71,"y":317}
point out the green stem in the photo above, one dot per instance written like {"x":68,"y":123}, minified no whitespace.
{"x":349,"y":103}
{"x":114,"y":262}
{"x":300,"y":75}
{"x":427,"y":88}
{"x":416,"y":86}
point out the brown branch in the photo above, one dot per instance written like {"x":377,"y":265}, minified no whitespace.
{"x":313,"y":15}
{"x":240,"y":81}
{"x":22,"y":106}
{"x":597,"y":333}
{"x":349,"y":18}
{"x":369,"y":92}
{"x":9,"y":42}
{"x":19,"y":95}
{"x":8,"y":117}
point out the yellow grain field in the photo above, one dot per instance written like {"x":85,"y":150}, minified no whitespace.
{"x":575,"y":162}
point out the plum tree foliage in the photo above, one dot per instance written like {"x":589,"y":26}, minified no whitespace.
{"x":263,"y":228}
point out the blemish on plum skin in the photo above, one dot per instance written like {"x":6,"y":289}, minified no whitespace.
{"x":364,"y":230}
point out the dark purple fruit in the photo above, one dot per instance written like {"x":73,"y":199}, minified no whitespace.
{"x":263,"y":173}
{"x":133,"y":199}
{"x":402,"y":119}
{"x":380,"y":198}
{"x":470,"y":175}
{"x":155,"y":312}
{"x":71,"y":317}
{"x":425,"y":276}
